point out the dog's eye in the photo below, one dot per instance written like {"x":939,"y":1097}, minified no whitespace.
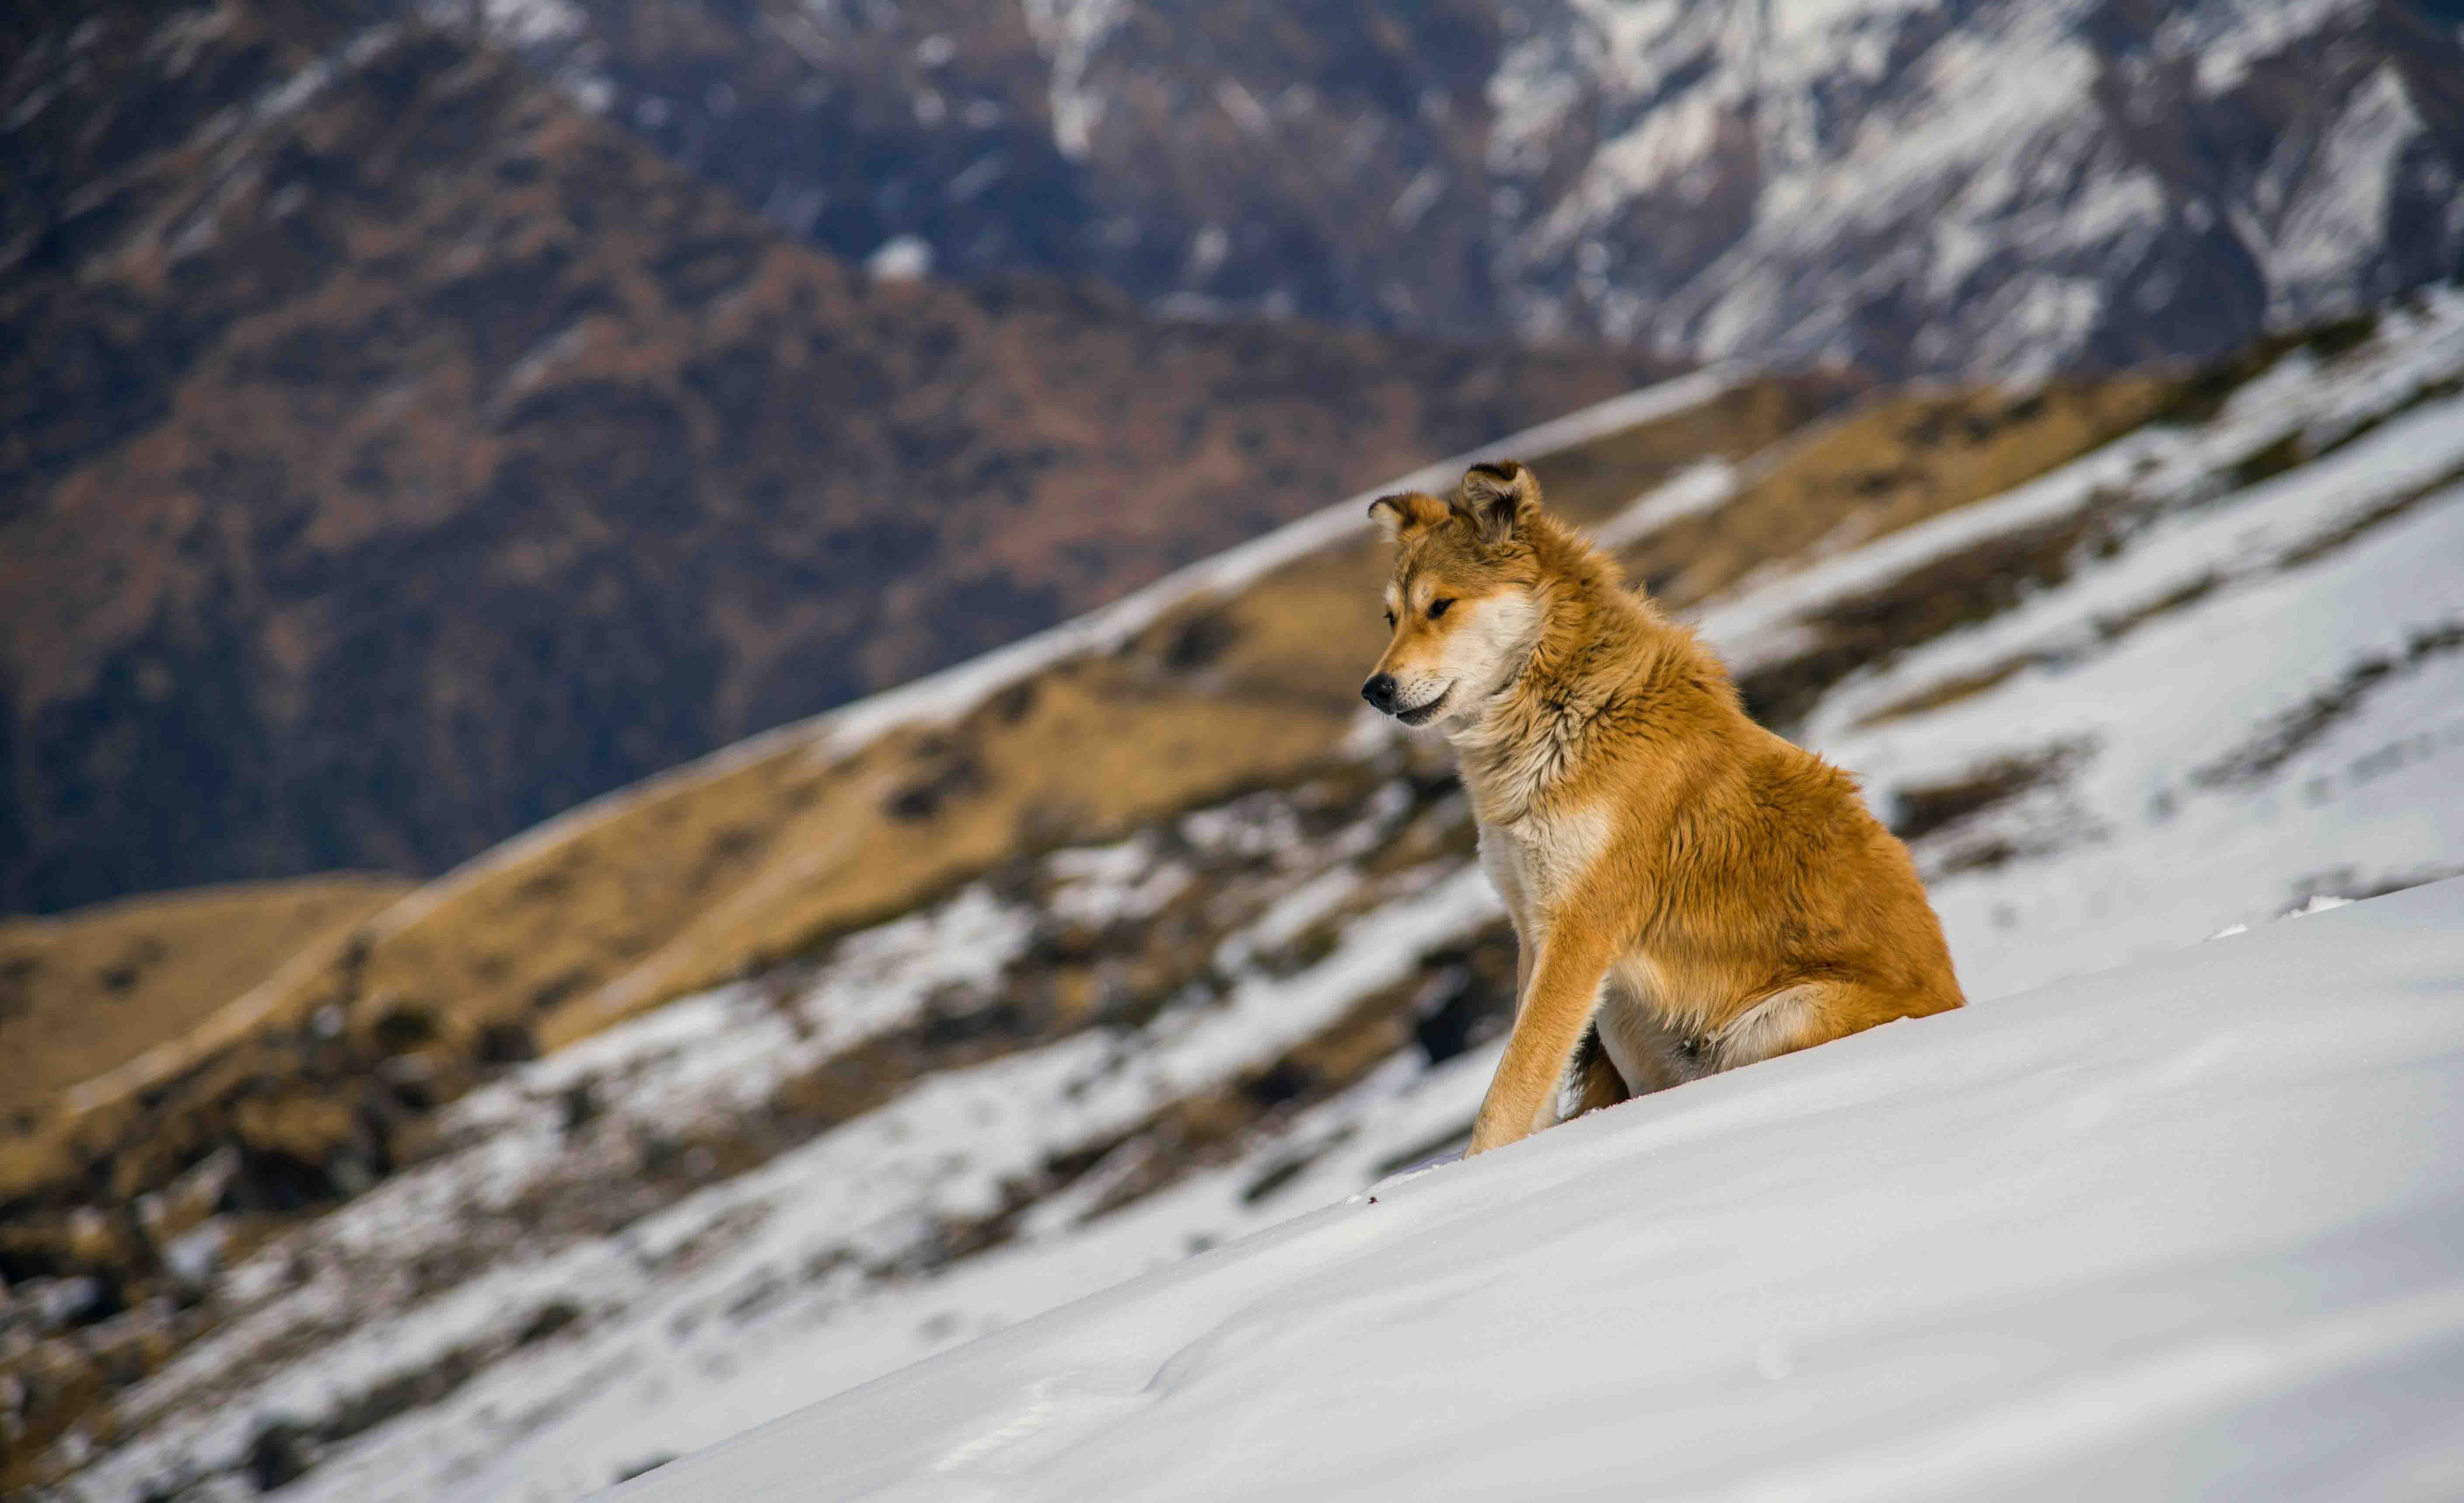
{"x":1438,"y":608}
{"x":1390,"y":620}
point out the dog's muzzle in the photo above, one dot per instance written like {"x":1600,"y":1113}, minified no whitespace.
{"x":1380,"y":692}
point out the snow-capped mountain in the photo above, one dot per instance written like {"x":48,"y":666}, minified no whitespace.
{"x":1990,"y":187}
{"x":2199,"y":676}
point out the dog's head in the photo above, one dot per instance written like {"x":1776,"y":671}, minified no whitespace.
{"x":1462,"y":599}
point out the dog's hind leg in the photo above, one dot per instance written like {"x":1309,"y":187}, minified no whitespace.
{"x":1803,"y":1016}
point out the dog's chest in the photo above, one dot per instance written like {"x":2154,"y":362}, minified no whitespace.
{"x":1537,"y":862}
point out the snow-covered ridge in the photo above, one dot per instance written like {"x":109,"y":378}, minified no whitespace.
{"x":2300,"y":626}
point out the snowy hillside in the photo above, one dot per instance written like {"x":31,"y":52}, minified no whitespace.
{"x":2187,"y":1229}
{"x":1989,"y":187}
{"x":2251,"y":688}
{"x":2186,"y":681}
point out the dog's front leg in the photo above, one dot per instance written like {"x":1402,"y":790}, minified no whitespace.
{"x":1549,"y":1023}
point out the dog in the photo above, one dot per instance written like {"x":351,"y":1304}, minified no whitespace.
{"x":1689,"y":892}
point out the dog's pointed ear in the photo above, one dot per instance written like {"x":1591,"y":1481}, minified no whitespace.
{"x":1404,"y":515}
{"x":1500,"y":498}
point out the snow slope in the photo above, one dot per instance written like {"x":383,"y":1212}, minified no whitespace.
{"x":2238,"y":690}
{"x":2258,"y":696}
{"x":2193,"y":1227}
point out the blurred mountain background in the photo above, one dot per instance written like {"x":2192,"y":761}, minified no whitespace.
{"x":448,"y":452}
{"x":421,"y":419}
{"x":396,"y":455}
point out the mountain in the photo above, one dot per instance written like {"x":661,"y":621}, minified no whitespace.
{"x":2127,"y":660}
{"x":1988,"y":187}
{"x":393,"y":455}
{"x":397,"y":449}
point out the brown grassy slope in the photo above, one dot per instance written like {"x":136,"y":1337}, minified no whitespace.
{"x":699,"y":881}
{"x":82,"y":993}
{"x":1893,"y":461}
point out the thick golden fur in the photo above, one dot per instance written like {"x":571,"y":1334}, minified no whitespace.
{"x":1689,"y":891}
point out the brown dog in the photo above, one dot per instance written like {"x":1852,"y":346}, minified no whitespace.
{"x":1689,"y":891}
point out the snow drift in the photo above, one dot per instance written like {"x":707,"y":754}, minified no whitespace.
{"x":2192,"y":1227}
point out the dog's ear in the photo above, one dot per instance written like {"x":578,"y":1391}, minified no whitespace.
{"x":1500,"y":498}
{"x":1404,"y":515}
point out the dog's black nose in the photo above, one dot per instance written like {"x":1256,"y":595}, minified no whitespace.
{"x":1379,"y":692}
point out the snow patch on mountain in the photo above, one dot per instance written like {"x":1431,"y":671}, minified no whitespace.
{"x":1999,"y":188}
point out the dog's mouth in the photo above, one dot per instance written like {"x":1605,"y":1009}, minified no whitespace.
{"x":1422,"y":713}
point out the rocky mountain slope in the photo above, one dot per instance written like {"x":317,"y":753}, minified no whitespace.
{"x":393,"y":455}
{"x":2127,"y":662}
{"x":1989,"y":187}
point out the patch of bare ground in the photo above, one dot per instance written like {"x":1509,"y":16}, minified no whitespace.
{"x":2353,"y":883}
{"x":1957,"y":589}
{"x":2102,"y":631}
{"x":1919,"y":809}
{"x":1460,"y":995}
{"x":1947,"y":819}
{"x":2198,"y":396}
{"x":2287,"y":735}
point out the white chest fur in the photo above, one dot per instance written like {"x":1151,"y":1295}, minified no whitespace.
{"x":1536,"y":863}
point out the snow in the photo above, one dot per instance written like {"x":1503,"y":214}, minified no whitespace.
{"x":2180,"y":697}
{"x":2350,"y":185}
{"x":1069,"y":33}
{"x":871,"y":1193}
{"x":2191,"y":1228}
{"x":902,"y":258}
{"x":1704,"y":486}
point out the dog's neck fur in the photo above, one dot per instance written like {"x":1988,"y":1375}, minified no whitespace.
{"x":1598,"y":650}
